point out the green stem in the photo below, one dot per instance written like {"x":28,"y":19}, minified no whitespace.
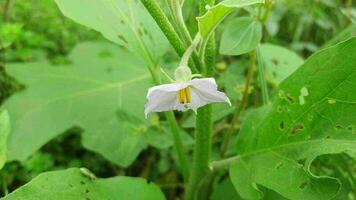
{"x":167,"y":28}
{"x":178,"y":144}
{"x":223,"y":164}
{"x":204,"y":123}
{"x":202,"y":148}
{"x":262,"y":77}
{"x":176,"y":8}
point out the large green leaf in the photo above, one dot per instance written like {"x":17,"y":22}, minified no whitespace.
{"x":280,"y":62}
{"x":216,"y":14}
{"x":77,"y":184}
{"x":4,"y":132}
{"x":101,"y":80}
{"x":241,"y":36}
{"x":125,"y":22}
{"x":314,"y":114}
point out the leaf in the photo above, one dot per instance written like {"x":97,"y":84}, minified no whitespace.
{"x":125,"y":22}
{"x":101,"y":80}
{"x":225,"y":190}
{"x":233,"y":79}
{"x":4,"y":132}
{"x":314,"y":114}
{"x":241,"y":36}
{"x":74,"y":184}
{"x":216,"y":14}
{"x":279,"y":62}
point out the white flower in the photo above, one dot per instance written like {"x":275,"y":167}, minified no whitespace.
{"x":184,"y":94}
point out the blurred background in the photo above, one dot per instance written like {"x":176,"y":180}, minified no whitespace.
{"x":35,"y":30}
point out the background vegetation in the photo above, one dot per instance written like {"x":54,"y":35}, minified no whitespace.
{"x":35,"y":31}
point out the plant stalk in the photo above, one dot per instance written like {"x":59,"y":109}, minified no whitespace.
{"x":202,"y":148}
{"x":167,"y":28}
{"x":204,"y":123}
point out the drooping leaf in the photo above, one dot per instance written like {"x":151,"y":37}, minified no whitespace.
{"x":241,"y":36}
{"x":4,"y":132}
{"x":125,"y":22}
{"x":101,"y":80}
{"x":279,"y":62}
{"x":212,"y":18}
{"x":314,"y":114}
{"x":75,"y":184}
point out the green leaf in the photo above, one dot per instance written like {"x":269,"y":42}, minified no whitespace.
{"x":216,"y":14}
{"x":75,"y":184}
{"x":314,"y":114}
{"x":225,"y":190}
{"x":101,"y":80}
{"x":241,"y":36}
{"x":4,"y":132}
{"x":279,"y":62}
{"x":126,"y":23}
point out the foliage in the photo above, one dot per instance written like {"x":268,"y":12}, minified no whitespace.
{"x":76,"y":101}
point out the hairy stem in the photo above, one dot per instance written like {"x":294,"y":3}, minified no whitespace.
{"x":176,"y":8}
{"x":202,"y":148}
{"x":204,"y":124}
{"x":167,"y":28}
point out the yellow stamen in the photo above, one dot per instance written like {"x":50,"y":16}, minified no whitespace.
{"x":188,"y":97}
{"x":184,"y":96}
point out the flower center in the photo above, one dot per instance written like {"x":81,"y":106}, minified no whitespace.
{"x":184,"y":96}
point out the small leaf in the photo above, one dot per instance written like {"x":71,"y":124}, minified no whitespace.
{"x":72,"y":184}
{"x":278,"y":143}
{"x":280,"y":62}
{"x":241,"y":36}
{"x":216,"y":14}
{"x":4,"y":132}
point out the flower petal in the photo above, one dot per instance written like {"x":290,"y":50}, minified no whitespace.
{"x":173,"y":87}
{"x":204,"y":83}
{"x":163,"y":98}
{"x":204,"y":91}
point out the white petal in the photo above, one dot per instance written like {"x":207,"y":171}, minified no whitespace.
{"x":173,"y":87}
{"x":163,"y":98}
{"x":206,"y":83}
{"x":204,"y":91}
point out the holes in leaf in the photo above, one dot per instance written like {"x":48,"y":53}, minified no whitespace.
{"x":303,"y":185}
{"x":299,"y":127}
{"x":301,"y":161}
{"x":351,"y":129}
{"x":290,"y":99}
{"x":275,"y":61}
{"x":279,"y":109}
{"x":281,"y":125}
{"x":279,"y":165}
{"x":338,"y":127}
{"x":122,"y":38}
